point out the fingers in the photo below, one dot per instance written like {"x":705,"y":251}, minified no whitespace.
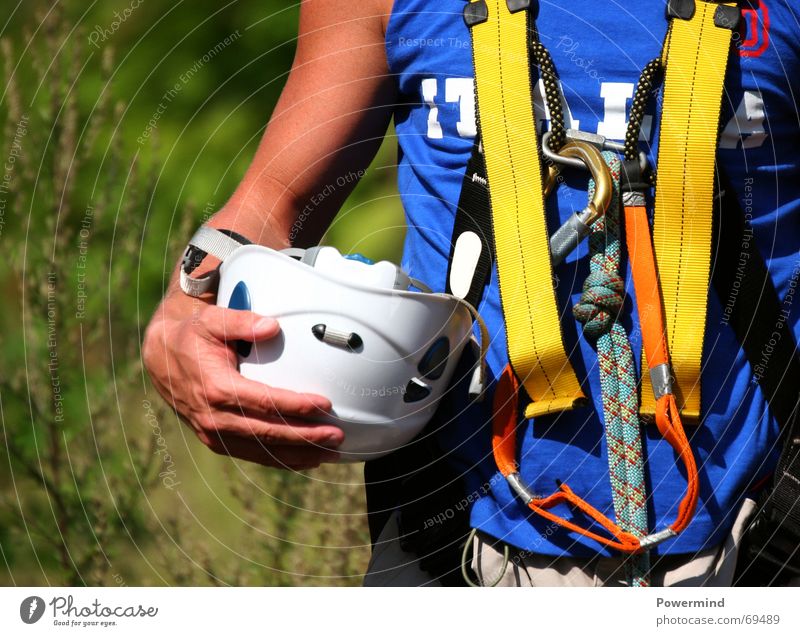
{"x":286,"y":432}
{"x":287,"y":457}
{"x":234,"y":415}
{"x":224,"y":387}
{"x":231,"y":390}
{"x":232,"y":324}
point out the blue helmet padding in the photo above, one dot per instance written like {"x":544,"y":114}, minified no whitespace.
{"x":240,"y":299}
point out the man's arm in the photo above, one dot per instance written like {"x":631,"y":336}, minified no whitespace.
{"x":329,"y":121}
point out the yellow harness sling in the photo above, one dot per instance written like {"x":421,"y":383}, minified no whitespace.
{"x":507,"y":123}
{"x":695,"y":56}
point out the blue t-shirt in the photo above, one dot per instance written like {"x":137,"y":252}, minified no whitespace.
{"x":599,"y":48}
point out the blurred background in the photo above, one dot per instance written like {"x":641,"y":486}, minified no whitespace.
{"x":125,"y":124}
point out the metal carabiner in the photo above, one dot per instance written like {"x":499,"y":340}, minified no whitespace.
{"x":577,"y":227}
{"x":598,"y":141}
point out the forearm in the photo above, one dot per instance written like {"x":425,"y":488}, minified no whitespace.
{"x":263,"y":210}
{"x":266,"y":211}
{"x":325,"y":129}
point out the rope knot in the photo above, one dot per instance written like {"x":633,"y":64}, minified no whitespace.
{"x":600,"y":302}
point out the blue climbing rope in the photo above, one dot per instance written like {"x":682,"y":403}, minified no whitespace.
{"x":598,"y":310}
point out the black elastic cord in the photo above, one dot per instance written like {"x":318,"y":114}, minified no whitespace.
{"x":649,"y":81}
{"x":552,"y":94}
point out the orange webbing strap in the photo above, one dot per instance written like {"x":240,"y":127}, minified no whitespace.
{"x":504,"y":422}
{"x":645,"y":281}
{"x":651,"y":319}
{"x":504,"y":446}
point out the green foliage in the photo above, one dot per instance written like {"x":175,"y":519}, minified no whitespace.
{"x":105,"y":173}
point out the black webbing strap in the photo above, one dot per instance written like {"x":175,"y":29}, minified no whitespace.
{"x":474,"y":214}
{"x":757,"y":315}
{"x":754,"y":311}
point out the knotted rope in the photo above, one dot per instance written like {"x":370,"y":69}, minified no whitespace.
{"x":598,"y":311}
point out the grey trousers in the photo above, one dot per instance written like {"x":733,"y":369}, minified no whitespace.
{"x":390,"y":566}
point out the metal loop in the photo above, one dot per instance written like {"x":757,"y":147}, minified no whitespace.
{"x":589,"y":158}
{"x":598,"y":141}
{"x":652,"y":540}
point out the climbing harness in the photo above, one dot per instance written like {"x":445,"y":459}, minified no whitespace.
{"x":598,"y":308}
{"x":598,"y":311}
{"x":502,"y":209}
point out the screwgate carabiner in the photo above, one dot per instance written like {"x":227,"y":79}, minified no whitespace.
{"x":577,"y":227}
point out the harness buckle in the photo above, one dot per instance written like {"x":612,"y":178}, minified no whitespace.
{"x":577,"y":227}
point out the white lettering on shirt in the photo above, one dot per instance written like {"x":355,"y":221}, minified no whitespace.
{"x":462,"y":91}
{"x":747,"y":124}
{"x":429,"y":95}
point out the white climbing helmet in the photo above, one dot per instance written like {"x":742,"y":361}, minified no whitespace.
{"x":351,"y":330}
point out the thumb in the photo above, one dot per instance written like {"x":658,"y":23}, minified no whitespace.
{"x":234,"y":324}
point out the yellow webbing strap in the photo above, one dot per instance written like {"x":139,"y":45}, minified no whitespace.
{"x":508,"y":133}
{"x":695,"y":56}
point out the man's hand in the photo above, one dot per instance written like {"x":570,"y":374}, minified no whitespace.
{"x":194,"y":367}
{"x":328,"y":124}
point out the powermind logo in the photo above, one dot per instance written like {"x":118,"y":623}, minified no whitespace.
{"x":67,"y":614}
{"x":31,"y":609}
